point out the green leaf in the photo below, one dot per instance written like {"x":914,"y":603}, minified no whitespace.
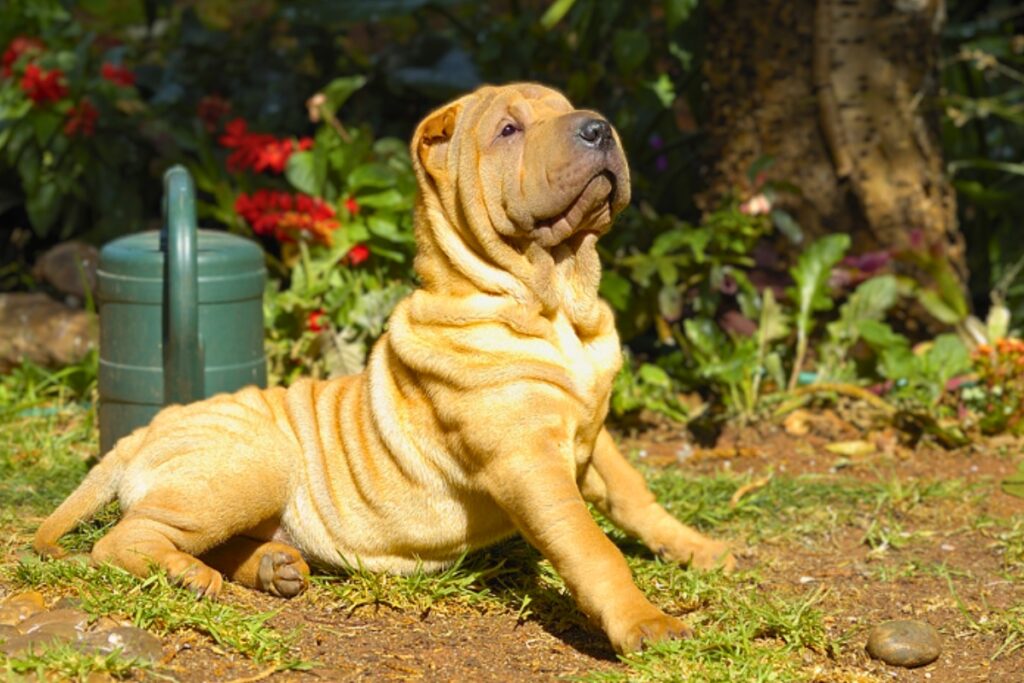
{"x":555,"y":12}
{"x":43,"y":207}
{"x":811,"y":275}
{"x":945,"y":359}
{"x":386,"y":227}
{"x":615,"y":289}
{"x":45,"y":123}
{"x":787,"y":225}
{"x":664,"y":89}
{"x":373,"y":175}
{"x":937,"y":306}
{"x":774,"y":324}
{"x":986,"y":164}
{"x":1014,"y":484}
{"x":388,"y":200}
{"x":630,"y":48}
{"x":338,"y":91}
{"x":881,"y":337}
{"x":652,"y":374}
{"x":869,"y":302}
{"x":301,"y":174}
{"x":678,"y":11}
{"x":670,"y":301}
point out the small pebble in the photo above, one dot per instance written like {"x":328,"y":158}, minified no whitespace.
{"x":905,"y":643}
{"x":133,"y":642}
{"x":31,"y":642}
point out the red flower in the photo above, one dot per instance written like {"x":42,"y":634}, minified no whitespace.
{"x":118,"y":75}
{"x":313,"y":321}
{"x":43,"y":86}
{"x":211,"y":109}
{"x":15,"y":49}
{"x":81,"y":119}
{"x":352,"y":206}
{"x":287,"y":217}
{"x":358,"y":254}
{"x":273,"y":156}
{"x":258,"y":151}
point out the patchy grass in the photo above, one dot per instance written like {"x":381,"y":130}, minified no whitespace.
{"x":155,"y":604}
{"x":755,"y":625}
{"x":63,"y":662}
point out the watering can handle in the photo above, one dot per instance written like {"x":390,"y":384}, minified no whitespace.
{"x":183,"y":362}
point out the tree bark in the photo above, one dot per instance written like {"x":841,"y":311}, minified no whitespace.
{"x":837,"y":92}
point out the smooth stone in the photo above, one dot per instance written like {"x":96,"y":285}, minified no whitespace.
{"x":42,"y":330}
{"x":75,"y":618}
{"x":31,"y":642}
{"x":131,"y":641}
{"x":62,"y":629}
{"x":105,"y":624}
{"x":70,"y":268}
{"x":34,"y":598}
{"x":905,"y":643}
{"x":16,"y":612}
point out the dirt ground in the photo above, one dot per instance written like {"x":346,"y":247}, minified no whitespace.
{"x":375,"y":643}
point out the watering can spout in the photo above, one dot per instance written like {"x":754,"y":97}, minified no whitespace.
{"x":183,"y":352}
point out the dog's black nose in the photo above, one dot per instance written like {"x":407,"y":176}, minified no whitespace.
{"x":595,"y":133}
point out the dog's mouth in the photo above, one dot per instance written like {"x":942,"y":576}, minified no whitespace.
{"x":590,"y":211}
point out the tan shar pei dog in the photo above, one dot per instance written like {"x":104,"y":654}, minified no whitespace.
{"x":480,"y":412}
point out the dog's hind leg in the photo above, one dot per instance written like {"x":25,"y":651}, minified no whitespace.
{"x":621,"y":494}
{"x":139,"y":544}
{"x":268,"y":566}
{"x":190,"y":504}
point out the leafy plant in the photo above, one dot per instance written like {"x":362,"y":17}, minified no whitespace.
{"x":646,"y":386}
{"x":810,"y":293}
{"x":69,"y":116}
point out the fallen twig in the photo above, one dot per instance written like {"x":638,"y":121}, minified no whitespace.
{"x":749,"y":487}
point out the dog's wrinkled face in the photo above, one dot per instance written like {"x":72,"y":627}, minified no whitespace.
{"x":546,"y":173}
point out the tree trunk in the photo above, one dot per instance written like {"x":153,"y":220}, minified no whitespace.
{"x":837,"y":92}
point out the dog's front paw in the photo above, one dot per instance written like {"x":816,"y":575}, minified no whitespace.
{"x":712,"y":555}
{"x":283,"y":574}
{"x":705,"y":554}
{"x":647,"y":631}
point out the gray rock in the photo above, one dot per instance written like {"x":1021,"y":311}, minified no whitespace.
{"x":70,"y":268}
{"x":132,"y":642}
{"x":905,"y":643}
{"x":76,"y":619}
{"x":31,"y":642}
{"x":35,"y":327}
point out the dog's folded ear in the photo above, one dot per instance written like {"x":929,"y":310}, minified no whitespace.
{"x":430,"y":143}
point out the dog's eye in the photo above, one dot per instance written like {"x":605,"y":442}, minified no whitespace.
{"x":509,"y":129}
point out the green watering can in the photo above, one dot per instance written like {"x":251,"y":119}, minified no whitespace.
{"x":181,"y":315}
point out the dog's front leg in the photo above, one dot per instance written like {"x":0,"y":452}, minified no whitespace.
{"x":540,"y":495}
{"x":621,"y":494}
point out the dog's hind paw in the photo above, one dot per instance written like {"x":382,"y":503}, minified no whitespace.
{"x":282,"y":574}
